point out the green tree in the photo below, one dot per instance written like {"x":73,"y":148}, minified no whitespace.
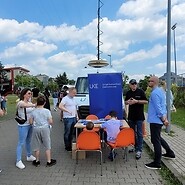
{"x":62,"y":80}
{"x":143,"y":84}
{"x":71,"y":82}
{"x":3,"y":74}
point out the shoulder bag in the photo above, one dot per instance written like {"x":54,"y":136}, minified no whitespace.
{"x":20,"y":120}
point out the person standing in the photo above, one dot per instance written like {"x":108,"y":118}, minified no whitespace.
{"x":25,"y":130}
{"x":157,"y":118}
{"x":1,"y":114}
{"x":47,"y":95}
{"x":70,"y":116}
{"x":42,"y":120}
{"x":135,"y":99}
{"x":55,"y":99}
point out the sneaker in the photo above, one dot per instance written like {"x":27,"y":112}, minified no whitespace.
{"x":31,"y":158}
{"x":20,"y":165}
{"x":168,"y":156}
{"x":1,"y":170}
{"x":153,"y":166}
{"x":36,"y":163}
{"x":138,"y":155}
{"x":69,"y":149}
{"x":53,"y":162}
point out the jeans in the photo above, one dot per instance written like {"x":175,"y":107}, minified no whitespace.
{"x":158,"y":141}
{"x":137,"y":127}
{"x":68,"y":131}
{"x":24,"y":138}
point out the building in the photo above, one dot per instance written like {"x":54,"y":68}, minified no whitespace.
{"x":43,"y":78}
{"x":180,"y":79}
{"x":12,"y":72}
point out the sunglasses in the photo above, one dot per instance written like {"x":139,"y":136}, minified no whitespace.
{"x":150,"y":81}
{"x":29,"y":93}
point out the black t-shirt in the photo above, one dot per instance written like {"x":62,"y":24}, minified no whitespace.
{"x":136,"y":111}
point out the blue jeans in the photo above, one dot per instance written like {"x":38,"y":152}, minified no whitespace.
{"x":137,"y":127}
{"x":68,"y":131}
{"x":24,"y":138}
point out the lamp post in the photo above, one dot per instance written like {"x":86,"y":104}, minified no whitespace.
{"x":173,"y":28}
{"x":168,"y":128}
{"x":110,"y":61}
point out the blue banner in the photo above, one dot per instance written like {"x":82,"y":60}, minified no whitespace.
{"x":105,"y":94}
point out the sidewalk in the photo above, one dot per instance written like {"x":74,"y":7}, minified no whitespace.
{"x":88,"y":170}
{"x":177,"y":143}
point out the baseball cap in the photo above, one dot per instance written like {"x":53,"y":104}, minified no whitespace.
{"x":133,"y":81}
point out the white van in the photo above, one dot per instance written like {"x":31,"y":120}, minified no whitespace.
{"x":81,"y":85}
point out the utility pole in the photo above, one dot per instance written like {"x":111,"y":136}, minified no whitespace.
{"x":168,"y":66}
{"x":174,"y":44}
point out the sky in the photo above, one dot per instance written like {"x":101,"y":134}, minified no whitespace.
{"x":55,"y":36}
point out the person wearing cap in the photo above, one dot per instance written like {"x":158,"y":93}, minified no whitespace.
{"x":135,"y":99}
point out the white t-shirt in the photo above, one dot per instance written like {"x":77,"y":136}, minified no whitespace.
{"x":22,"y":114}
{"x":71,"y":105}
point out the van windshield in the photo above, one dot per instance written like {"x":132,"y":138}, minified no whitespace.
{"x":82,"y":85}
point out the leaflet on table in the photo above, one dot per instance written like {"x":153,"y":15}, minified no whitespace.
{"x":84,"y":121}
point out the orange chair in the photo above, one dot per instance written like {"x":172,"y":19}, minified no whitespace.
{"x":88,"y":141}
{"x":92,"y":117}
{"x":125,"y":138}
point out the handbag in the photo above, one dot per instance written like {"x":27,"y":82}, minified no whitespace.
{"x":20,"y":120}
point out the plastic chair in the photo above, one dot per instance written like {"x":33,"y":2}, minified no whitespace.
{"x":125,"y":138}
{"x":88,"y":141}
{"x":92,"y":117}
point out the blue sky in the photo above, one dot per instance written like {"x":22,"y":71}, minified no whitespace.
{"x":55,"y":36}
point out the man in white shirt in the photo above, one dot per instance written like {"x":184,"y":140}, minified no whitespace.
{"x":70,"y":116}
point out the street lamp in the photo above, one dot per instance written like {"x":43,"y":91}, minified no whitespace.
{"x":110,"y":61}
{"x":173,"y":28}
{"x":168,"y":128}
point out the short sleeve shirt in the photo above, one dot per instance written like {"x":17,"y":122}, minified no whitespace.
{"x":40,"y":117}
{"x":136,"y":111}
{"x":71,"y":105}
{"x":112,"y":128}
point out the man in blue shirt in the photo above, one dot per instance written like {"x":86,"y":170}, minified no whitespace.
{"x":157,"y":118}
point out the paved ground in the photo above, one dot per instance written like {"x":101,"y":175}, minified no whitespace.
{"x":88,"y":170}
{"x":177,"y":142}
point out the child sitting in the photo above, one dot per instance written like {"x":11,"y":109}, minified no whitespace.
{"x":112,"y":127}
{"x":89,"y":125}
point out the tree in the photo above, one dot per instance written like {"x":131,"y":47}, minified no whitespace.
{"x":62,"y":80}
{"x":3,"y":74}
{"x":143,"y":84}
{"x":28,"y":81}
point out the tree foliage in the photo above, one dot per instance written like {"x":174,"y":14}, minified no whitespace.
{"x":3,"y":74}
{"x":62,"y":80}
{"x":143,"y":84}
{"x":28,"y":81}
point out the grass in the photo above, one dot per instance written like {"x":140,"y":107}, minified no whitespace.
{"x":177,"y":118}
{"x":165,"y":173}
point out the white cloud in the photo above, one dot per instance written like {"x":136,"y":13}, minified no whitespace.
{"x":142,"y":8}
{"x":142,"y":55}
{"x":32,"y":49}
